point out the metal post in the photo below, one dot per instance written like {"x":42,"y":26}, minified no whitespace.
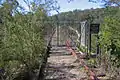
{"x":88,"y":37}
{"x":57,"y":26}
{"x":90,"y":42}
{"x":98,"y":48}
{"x":57,"y":35}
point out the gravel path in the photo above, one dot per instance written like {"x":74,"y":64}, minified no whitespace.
{"x":63,"y":66}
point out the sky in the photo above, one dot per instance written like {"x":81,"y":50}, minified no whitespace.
{"x":75,"y":4}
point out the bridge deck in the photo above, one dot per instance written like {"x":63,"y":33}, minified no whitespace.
{"x":63,"y":66}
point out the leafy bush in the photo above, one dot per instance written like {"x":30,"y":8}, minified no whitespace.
{"x":110,"y":42}
{"x":21,"y":40}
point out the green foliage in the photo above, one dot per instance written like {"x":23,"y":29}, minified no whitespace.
{"x":110,"y":40}
{"x":22,"y":44}
{"x":110,"y":35}
{"x":82,"y":48}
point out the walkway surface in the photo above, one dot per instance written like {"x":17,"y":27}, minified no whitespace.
{"x":62,"y":65}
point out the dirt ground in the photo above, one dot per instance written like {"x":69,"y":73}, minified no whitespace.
{"x":63,"y":66}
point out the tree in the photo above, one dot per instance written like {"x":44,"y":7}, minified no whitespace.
{"x":22,"y":44}
{"x":108,"y":2}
